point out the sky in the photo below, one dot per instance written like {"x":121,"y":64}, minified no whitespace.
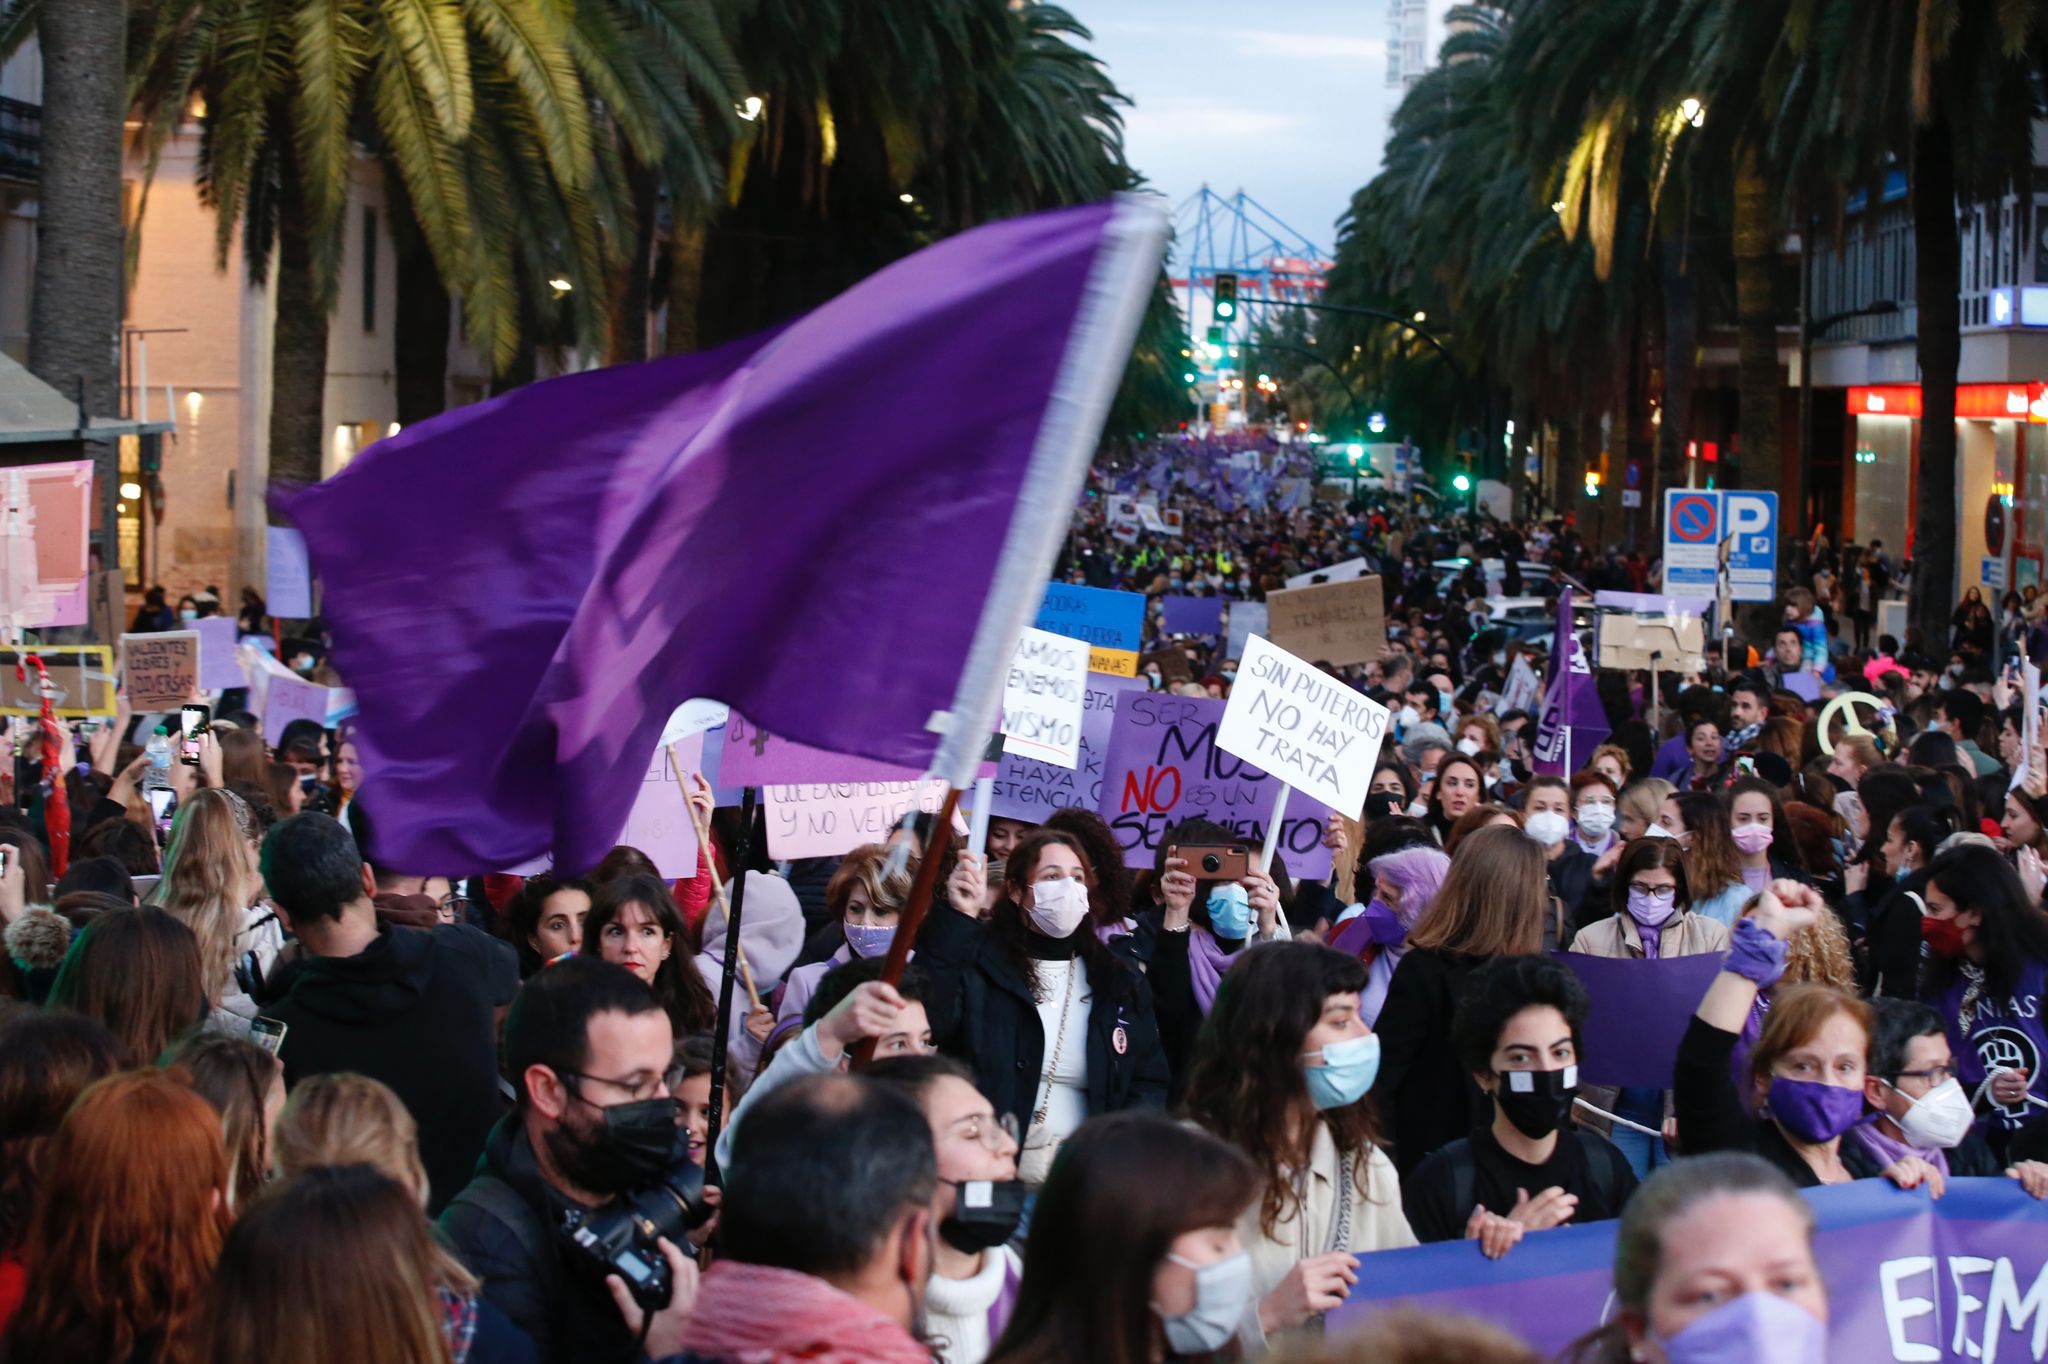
{"x":1292,"y":111}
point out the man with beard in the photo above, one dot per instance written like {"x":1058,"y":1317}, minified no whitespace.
{"x":588,"y":1049}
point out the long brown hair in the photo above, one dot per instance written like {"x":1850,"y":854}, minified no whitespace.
{"x":137,"y":973}
{"x":210,"y":879}
{"x":46,"y":1061}
{"x":333,"y":1266}
{"x":1007,"y":922}
{"x":126,"y":1229}
{"x":1246,"y":1083}
{"x":236,"y":1077}
{"x":1099,"y":1233}
{"x":677,"y":983}
{"x":1493,"y":899}
{"x":1712,"y":862}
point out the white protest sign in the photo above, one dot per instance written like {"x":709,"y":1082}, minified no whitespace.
{"x":1303,"y":726}
{"x":1524,"y":688}
{"x":1148,"y":517}
{"x":1043,"y":696}
{"x":1247,"y":618}
{"x":830,"y":819}
{"x":288,"y":577}
{"x":694,"y":716}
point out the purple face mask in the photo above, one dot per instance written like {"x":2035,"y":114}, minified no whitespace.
{"x":1648,"y":910}
{"x":1384,"y":924}
{"x":1812,"y":1111}
{"x":1761,"y":1328}
{"x":864,"y":940}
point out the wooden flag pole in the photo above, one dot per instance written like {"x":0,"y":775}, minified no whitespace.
{"x":711,"y":866}
{"x":912,"y":917}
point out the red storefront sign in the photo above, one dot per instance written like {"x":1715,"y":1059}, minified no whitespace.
{"x":1974,"y":402}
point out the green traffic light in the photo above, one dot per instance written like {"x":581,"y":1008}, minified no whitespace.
{"x":1462,"y":483}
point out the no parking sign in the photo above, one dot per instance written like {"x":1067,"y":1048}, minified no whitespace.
{"x":1692,"y":538}
{"x":1696,"y":524}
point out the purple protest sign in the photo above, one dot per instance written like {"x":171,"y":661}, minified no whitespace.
{"x":1908,"y":1278}
{"x":1031,"y":791}
{"x":1164,"y":767}
{"x":290,"y":699}
{"x":754,"y":757}
{"x":659,"y":823}
{"x":1192,"y":615}
{"x":1640,"y":1013}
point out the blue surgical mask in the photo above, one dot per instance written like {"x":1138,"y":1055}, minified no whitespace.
{"x":1230,"y":912}
{"x":1347,"y":1072}
{"x":1757,"y":1328}
{"x":1222,"y":1292}
{"x":868,"y":940}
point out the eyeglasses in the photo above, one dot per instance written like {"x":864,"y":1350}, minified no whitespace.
{"x":1933,"y":1075}
{"x":1657,"y":893}
{"x":655,"y":1087}
{"x":991,"y":1130}
{"x":455,"y":903}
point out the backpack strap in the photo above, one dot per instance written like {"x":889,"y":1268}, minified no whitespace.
{"x":501,"y":1203}
{"x":1464,"y":1179}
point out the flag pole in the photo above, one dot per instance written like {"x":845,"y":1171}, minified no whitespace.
{"x":711,"y":869}
{"x":722,"y":1025}
{"x":1273,"y":828}
{"x":912,"y":916}
{"x":977,"y":834}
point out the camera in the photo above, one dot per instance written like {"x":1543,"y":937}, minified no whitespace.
{"x":620,"y":1238}
{"x":1214,"y":862}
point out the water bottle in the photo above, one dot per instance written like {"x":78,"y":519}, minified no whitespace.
{"x":158,"y":777}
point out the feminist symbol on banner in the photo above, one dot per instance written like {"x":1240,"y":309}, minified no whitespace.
{"x":1846,"y":704}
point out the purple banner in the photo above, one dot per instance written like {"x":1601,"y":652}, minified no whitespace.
{"x":1639,"y":1015}
{"x":1573,"y":722}
{"x":1192,"y":615}
{"x":1908,"y":1278}
{"x":1031,"y":790}
{"x":1164,"y":767}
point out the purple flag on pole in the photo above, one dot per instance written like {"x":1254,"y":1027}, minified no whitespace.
{"x":1573,"y":721}
{"x":522,"y":591}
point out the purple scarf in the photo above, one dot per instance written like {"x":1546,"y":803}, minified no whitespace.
{"x":1889,"y":1151}
{"x":1207,"y":961}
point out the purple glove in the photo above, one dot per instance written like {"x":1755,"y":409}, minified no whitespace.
{"x":1755,"y":955}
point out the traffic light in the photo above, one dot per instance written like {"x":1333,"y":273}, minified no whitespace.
{"x":1462,"y":482}
{"x":1226,"y":296}
{"x":1593,"y":482}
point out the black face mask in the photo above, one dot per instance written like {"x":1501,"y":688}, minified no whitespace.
{"x":985,"y":1214}
{"x":638,"y":1142}
{"x":1383,"y":805}
{"x":1544,"y":1105}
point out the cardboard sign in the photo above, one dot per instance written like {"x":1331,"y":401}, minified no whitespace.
{"x":292,"y":698}
{"x":1304,"y":726}
{"x":1030,"y":790}
{"x":81,"y":678}
{"x":1164,"y":767}
{"x":1337,"y":623}
{"x":1043,"y":697}
{"x":288,"y":577}
{"x":1335,"y":573}
{"x":218,"y":669}
{"x":1192,"y":615}
{"x":161,"y":671}
{"x":1112,"y":624}
{"x":659,"y":823}
{"x":1628,"y":641}
{"x":1247,"y":618}
{"x":828,"y":819}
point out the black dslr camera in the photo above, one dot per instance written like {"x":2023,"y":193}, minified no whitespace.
{"x":620,"y":1238}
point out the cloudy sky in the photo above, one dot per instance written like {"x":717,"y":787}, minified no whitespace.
{"x":1293,"y":111}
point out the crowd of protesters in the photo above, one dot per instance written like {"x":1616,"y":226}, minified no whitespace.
{"x":264,"y":1096}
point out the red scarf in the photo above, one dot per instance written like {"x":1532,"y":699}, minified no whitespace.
{"x":753,"y":1314}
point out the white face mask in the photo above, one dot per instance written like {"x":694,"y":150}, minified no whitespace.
{"x":1596,"y":817}
{"x":1408,"y":716}
{"x":1938,"y":1119}
{"x":1468,"y":747}
{"x":1547,"y":827}
{"x":1058,"y":907}
{"x":1657,"y":831}
{"x":1222,"y":1292}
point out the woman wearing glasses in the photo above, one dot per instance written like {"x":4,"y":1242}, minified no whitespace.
{"x":1652,"y":918}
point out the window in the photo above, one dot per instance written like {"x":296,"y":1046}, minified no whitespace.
{"x":369,"y":269}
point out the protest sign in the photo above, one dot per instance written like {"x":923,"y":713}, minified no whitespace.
{"x":1030,"y":790}
{"x":81,"y":680}
{"x":160,"y":671}
{"x":1629,"y":642}
{"x":1640,"y":1011}
{"x":1112,"y":624}
{"x":1192,"y":615}
{"x":1304,"y":726}
{"x":1164,"y":767}
{"x":694,"y":716}
{"x":288,"y":578}
{"x":1043,"y":696}
{"x":1338,"y":623}
{"x":218,"y":669}
{"x":1172,"y":520}
{"x":755,"y":757}
{"x":292,"y":698}
{"x":1247,"y":618}
{"x":827,"y":819}
{"x":1908,"y":1278}
{"x":1524,"y":688}
{"x":1336,"y":573}
{"x":659,"y":823}
{"x":1148,"y":517}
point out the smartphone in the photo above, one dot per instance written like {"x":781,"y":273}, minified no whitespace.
{"x":267,"y":1033}
{"x":1214,"y":862}
{"x":163,"y":804}
{"x":193,"y":721}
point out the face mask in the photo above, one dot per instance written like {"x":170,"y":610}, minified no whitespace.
{"x":636,"y":1144}
{"x":1443,"y":703}
{"x":1940,"y":1118}
{"x":1537,"y":1102}
{"x":1383,"y":805}
{"x":1761,"y":1328}
{"x":1347,"y":1072}
{"x":1649,"y":911}
{"x":985,"y":1214}
{"x":1222,"y":1292}
{"x":1230,"y":912}
{"x":1229,"y":674}
{"x":1752,"y":838}
{"x":1656,"y":831}
{"x":1057,"y":907}
{"x":866,"y":940}
{"x":1500,"y":660}
{"x":1812,"y":1111}
{"x":1900,"y":875}
{"x":1408,"y":716}
{"x":1944,"y":937}
{"x":1468,"y":747}
{"x":302,"y":664}
{"x":188,"y":615}
{"x":1596,"y":817}
{"x":1547,"y":827}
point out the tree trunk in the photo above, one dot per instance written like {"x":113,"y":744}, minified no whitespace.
{"x":628,"y":322}
{"x":75,"y":313}
{"x":1681,"y":368}
{"x":1761,"y":382}
{"x":424,"y":321}
{"x":1937,"y":275}
{"x":298,"y":354}
{"x":685,"y":285}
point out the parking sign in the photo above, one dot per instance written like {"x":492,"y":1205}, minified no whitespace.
{"x":1692,"y":538}
{"x":1752,"y":529}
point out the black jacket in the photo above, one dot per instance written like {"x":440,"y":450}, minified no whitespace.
{"x":1711,"y":1117}
{"x":1426,"y":1100}
{"x":504,"y":1227}
{"x":417,"y":1010}
{"x":1884,"y":926}
{"x":982,"y":1011}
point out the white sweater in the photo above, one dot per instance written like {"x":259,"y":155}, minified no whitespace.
{"x":956,"y":1310}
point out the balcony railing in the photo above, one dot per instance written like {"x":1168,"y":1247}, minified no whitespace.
{"x":21,"y":140}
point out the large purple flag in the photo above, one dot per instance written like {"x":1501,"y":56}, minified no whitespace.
{"x":838,"y":527}
{"x":1573,"y":721}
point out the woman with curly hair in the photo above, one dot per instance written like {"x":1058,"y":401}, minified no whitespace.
{"x":1282,"y":1072}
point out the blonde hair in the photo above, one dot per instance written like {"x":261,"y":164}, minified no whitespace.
{"x":1642,"y":799}
{"x":1620,"y":756}
{"x":865,"y":867}
{"x":1493,"y":898}
{"x":1817,"y":954}
{"x":342,"y":1119}
{"x":210,"y":880}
